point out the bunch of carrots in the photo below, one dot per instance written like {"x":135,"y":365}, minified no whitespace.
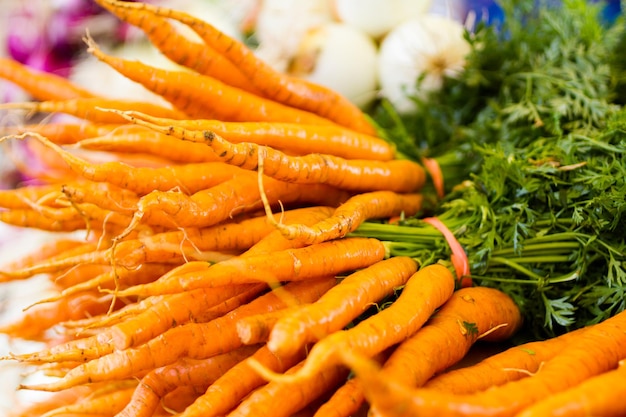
{"x":217,"y":273}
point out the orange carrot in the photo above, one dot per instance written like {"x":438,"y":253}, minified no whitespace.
{"x":425,"y":291}
{"x":152,"y":143}
{"x":36,"y":321}
{"x":284,"y":398}
{"x":349,"y":216}
{"x":18,"y":198}
{"x":185,"y":372}
{"x":285,"y":265}
{"x":70,"y":133}
{"x":87,"y":108}
{"x":595,"y":351}
{"x":227,"y":391}
{"x":35,"y":220}
{"x":471,"y":314}
{"x":293,"y":138}
{"x":193,"y":340}
{"x":293,"y":92}
{"x":56,"y":400}
{"x":39,"y":84}
{"x":350,"y":174}
{"x":236,"y":196}
{"x":107,"y":400}
{"x":182,"y":50}
{"x":340,"y":305}
{"x":199,"y":305}
{"x":102,"y":194}
{"x":202,"y":96}
{"x":599,"y":396}
{"x":512,"y":364}
{"x":256,"y":329}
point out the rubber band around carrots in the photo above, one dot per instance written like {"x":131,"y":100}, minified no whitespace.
{"x":459,"y":257}
{"x":434,"y":170}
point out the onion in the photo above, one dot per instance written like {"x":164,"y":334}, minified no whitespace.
{"x":340,"y":57}
{"x":430,"y":47}
{"x":377,"y":17}
{"x":281,"y":25}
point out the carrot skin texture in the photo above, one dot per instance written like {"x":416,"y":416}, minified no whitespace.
{"x":161,"y":381}
{"x":293,"y":138}
{"x":402,"y":176}
{"x":278,"y":396}
{"x":226,"y":392}
{"x":425,"y":291}
{"x":196,"y":95}
{"x":180,"y":49}
{"x":294,"y":92}
{"x":193,"y":340}
{"x":285,"y":265}
{"x":512,"y":364}
{"x":349,"y":216}
{"x":88,"y":108}
{"x":341,"y":304}
{"x":489,"y":311}
{"x":599,"y":396}
{"x":39,"y":84}
{"x":597,"y":350}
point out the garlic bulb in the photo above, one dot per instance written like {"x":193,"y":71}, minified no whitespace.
{"x":377,"y":17}
{"x":340,"y":57}
{"x":430,"y":46}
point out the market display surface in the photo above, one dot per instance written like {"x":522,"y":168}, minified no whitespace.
{"x":258,"y":244}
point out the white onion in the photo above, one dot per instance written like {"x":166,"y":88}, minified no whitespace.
{"x":377,"y":17}
{"x":431,"y":46}
{"x":281,"y":26}
{"x":340,"y":57}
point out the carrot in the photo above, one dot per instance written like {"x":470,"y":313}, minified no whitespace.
{"x":201,"y":96}
{"x":471,"y":314}
{"x":282,"y":88}
{"x":182,"y":50}
{"x":284,"y":398}
{"x":86,"y":108}
{"x":512,"y":364}
{"x":347,"y":400}
{"x":293,"y":138}
{"x":199,"y":305}
{"x":18,"y":198}
{"x":32,"y":268}
{"x":46,"y":250}
{"x":39,"y":84}
{"x":105,"y":195}
{"x":152,"y":143}
{"x":107,"y":400}
{"x":193,"y":340}
{"x":230,"y":198}
{"x":34,"y":219}
{"x":597,"y":350}
{"x":354,"y":174}
{"x":340,"y":305}
{"x":285,"y":265}
{"x":53,"y":401}
{"x":228,"y":390}
{"x":70,"y":133}
{"x":155,"y":315}
{"x":143,"y":180}
{"x":36,"y":321}
{"x":256,"y":329}
{"x":349,"y":216}
{"x":599,"y":396}
{"x":425,"y":291}
{"x":185,"y":372}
